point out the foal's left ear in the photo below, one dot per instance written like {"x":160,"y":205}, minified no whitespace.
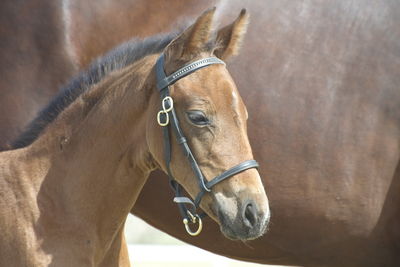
{"x":194,"y":39}
{"x":229,"y":38}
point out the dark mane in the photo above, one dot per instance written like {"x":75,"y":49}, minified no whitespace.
{"x":118,"y":58}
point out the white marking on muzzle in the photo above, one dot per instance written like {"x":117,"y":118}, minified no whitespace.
{"x":228,"y":205}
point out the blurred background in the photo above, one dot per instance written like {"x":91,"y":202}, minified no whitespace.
{"x":149,"y":247}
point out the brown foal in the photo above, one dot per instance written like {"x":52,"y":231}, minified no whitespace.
{"x":64,"y":198}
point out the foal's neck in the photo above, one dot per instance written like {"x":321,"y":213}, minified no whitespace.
{"x":99,"y":159}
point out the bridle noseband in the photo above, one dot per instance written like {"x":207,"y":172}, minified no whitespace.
{"x":167,"y":116}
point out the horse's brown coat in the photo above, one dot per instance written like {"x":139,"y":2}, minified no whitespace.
{"x":321,"y":80}
{"x":34,"y":58}
{"x":65,"y":197}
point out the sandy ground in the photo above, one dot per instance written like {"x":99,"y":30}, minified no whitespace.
{"x":149,"y":247}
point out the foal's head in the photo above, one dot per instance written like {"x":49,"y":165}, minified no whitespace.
{"x":213,"y":117}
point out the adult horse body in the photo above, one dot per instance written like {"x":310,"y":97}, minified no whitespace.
{"x":65,"y":196}
{"x":44,"y":43}
{"x":321,"y":80}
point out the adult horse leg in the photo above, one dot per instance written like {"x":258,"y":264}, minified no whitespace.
{"x":35,"y":61}
{"x":387,"y":230}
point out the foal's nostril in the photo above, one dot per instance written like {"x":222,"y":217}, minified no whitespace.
{"x":250,"y":217}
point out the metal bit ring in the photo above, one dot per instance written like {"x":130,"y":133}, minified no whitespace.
{"x":199,"y":228}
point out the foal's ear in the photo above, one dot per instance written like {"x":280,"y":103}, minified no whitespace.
{"x":229,"y":38}
{"x":194,"y":39}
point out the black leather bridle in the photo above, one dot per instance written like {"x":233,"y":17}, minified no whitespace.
{"x":167,"y":117}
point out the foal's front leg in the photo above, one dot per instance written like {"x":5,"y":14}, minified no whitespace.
{"x":117,"y":255}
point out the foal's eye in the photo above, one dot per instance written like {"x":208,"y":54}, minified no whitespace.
{"x":197,"y":117}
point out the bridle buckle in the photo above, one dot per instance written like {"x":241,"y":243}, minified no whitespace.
{"x":167,"y":105}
